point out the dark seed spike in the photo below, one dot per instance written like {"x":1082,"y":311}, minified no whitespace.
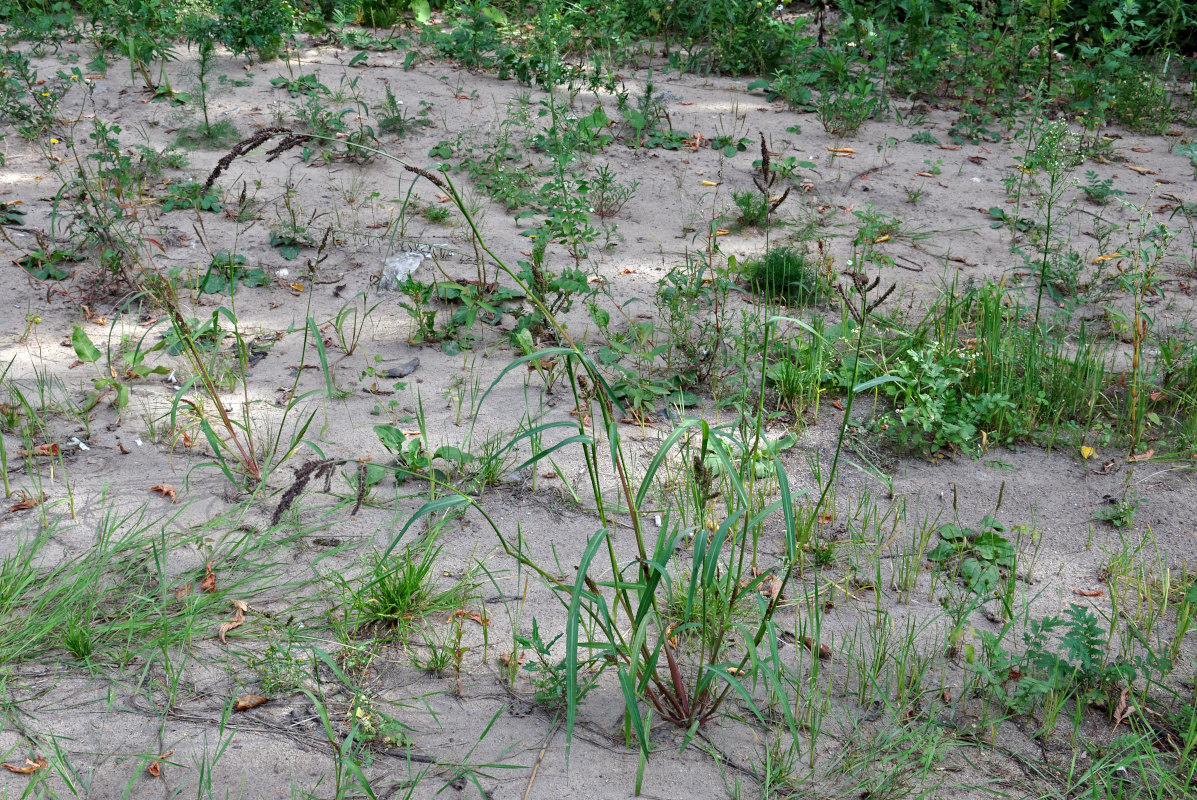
{"x":779,"y":200}
{"x":765,"y":170}
{"x":361,"y":488}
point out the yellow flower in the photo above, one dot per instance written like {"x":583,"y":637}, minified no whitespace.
{"x":53,"y":141}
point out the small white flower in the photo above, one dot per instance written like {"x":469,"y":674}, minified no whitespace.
{"x":284,"y":272}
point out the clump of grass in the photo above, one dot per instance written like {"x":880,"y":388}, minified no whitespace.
{"x":398,"y":591}
{"x":785,"y":273}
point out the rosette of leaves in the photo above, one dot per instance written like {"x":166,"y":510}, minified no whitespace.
{"x":981,"y":553}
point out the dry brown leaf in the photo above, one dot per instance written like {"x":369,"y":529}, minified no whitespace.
{"x":1142,"y":170}
{"x":166,"y":490}
{"x":237,"y":621}
{"x":770,"y":588}
{"x":124,"y":450}
{"x":924,"y":174}
{"x":1089,"y":592}
{"x":474,"y":615}
{"x":246,"y":702}
{"x":949,"y":147}
{"x":1143,"y":456}
{"x":182,"y":592}
{"x":29,"y":768}
{"x":841,"y":151}
{"x":1140,"y":149}
{"x":208,"y":584}
{"x":824,"y":650}
{"x":837,"y":404}
{"x":27,"y":502}
{"x":41,"y":450}
{"x":506,"y":658}
{"x":154,"y":769}
{"x":1123,"y":709}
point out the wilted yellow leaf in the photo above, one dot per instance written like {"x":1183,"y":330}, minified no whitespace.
{"x":1107,"y":257}
{"x":1087,"y":452}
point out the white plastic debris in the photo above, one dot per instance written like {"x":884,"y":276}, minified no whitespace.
{"x":398,"y":268}
{"x":74,"y":442}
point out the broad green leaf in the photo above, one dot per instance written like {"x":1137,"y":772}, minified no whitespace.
{"x":84,"y":349}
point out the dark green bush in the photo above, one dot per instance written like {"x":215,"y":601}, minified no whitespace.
{"x":786,"y":273}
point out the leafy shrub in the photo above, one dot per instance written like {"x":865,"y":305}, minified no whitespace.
{"x":258,"y":26}
{"x":934,"y":407}
{"x":786,"y":273}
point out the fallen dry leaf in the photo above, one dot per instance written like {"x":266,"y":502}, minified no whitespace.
{"x":124,"y":450}
{"x":949,"y":147}
{"x":182,"y":592}
{"x":1089,"y":592}
{"x":474,"y":615}
{"x":824,"y":650}
{"x":1143,"y":456}
{"x":709,"y":183}
{"x":924,"y":174}
{"x":27,"y":502}
{"x":770,"y":588}
{"x":236,"y":622}
{"x":41,"y":450}
{"x":166,"y":490}
{"x":837,"y":404}
{"x":506,"y":658}
{"x":1123,"y":710}
{"x":1140,"y":149}
{"x":208,"y":584}
{"x":1106,"y":257}
{"x":841,"y":151}
{"x":246,"y":702}
{"x":155,"y":767}
{"x":1088,"y":452}
{"x":1142,"y":170}
{"x":29,"y":768}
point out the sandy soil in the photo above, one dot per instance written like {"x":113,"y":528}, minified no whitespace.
{"x":471,"y":734}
